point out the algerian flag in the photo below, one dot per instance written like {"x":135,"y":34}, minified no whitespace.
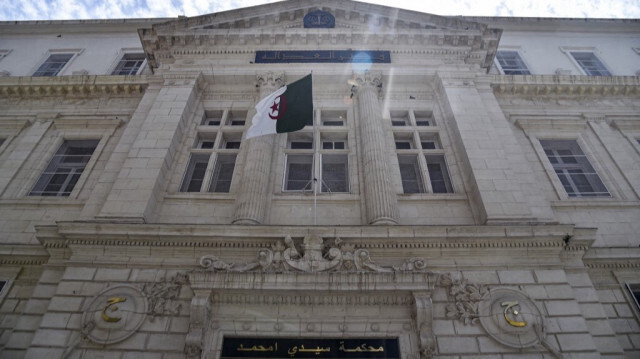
{"x":287,"y":109}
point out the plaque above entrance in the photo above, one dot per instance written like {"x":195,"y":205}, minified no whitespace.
{"x":323,"y":56}
{"x":321,"y":348}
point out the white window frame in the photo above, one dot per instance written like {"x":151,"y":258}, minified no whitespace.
{"x":416,"y":134}
{"x":52,"y":148}
{"x":120,"y":56}
{"x":568,"y":52}
{"x":519,"y":53}
{"x":220,"y":135}
{"x":74,"y":52}
{"x":551,"y":171}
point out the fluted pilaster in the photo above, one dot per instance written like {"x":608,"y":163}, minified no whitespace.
{"x":254,"y":181}
{"x":380,"y":198}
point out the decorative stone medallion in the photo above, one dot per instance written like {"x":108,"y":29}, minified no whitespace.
{"x":511,"y":317}
{"x":319,"y":19}
{"x":114,"y":314}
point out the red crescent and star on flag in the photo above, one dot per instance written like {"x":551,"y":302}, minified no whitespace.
{"x":278,"y":108}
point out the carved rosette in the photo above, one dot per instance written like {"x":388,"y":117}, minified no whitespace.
{"x":313,"y":255}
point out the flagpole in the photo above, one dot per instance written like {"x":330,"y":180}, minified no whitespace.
{"x":315,"y":179}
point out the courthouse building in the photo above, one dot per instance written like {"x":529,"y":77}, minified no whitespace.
{"x":469,"y":187}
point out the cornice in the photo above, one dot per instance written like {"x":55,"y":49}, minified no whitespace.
{"x":22,"y":255}
{"x":73,"y":86}
{"x":386,"y":299}
{"x":553,"y":85}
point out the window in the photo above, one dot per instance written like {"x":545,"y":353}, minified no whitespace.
{"x":573,"y":169}
{"x":53,"y":65}
{"x":590,"y":64}
{"x":236,"y":118}
{"x":195,"y":173}
{"x":212,"y":159}
{"x":65,"y":168}
{"x":318,"y":157}
{"x":399,"y":118}
{"x":634,"y":290}
{"x":511,"y":63}
{"x":423,"y":118}
{"x":410,"y":174}
{"x":333,"y":118}
{"x":438,"y":174}
{"x":129,"y":64}
{"x":421,"y":159}
{"x":212,"y":118}
{"x":299,"y":173}
{"x":335,"y":173}
{"x":223,"y":172}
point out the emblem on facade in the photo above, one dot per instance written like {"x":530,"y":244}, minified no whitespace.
{"x":163,"y":295}
{"x":312,"y":255}
{"x":465,"y":297}
{"x":114,"y":314}
{"x":319,"y":19}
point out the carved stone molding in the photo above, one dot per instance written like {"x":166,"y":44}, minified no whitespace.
{"x":200,"y":315}
{"x":465,"y":297}
{"x":162,"y":296}
{"x":313,"y":256}
{"x":423,"y":317}
{"x":72,"y":86}
{"x":542,"y":85}
{"x":270,"y":79}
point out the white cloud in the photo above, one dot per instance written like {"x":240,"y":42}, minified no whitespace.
{"x":95,"y":9}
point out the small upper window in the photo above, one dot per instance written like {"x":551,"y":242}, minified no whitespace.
{"x":65,"y":168}
{"x":511,"y":63}
{"x":574,"y":171}
{"x":53,"y":65}
{"x":130,"y":64}
{"x":634,"y":290}
{"x":590,"y":64}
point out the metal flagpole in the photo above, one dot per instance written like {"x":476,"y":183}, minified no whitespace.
{"x":315,"y":180}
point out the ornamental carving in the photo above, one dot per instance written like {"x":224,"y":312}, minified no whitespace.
{"x":465,"y":297}
{"x":367,"y":78}
{"x":163,"y":296}
{"x":312,"y":255}
{"x":270,"y":79}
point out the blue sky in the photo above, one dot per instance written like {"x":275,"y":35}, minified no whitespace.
{"x":101,"y":9}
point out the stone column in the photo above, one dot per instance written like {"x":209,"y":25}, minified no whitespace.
{"x":254,"y":181}
{"x":380,"y":199}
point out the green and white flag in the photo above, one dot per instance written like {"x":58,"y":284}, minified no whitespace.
{"x":287,"y":109}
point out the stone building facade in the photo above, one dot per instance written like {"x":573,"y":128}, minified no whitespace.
{"x":469,"y":187}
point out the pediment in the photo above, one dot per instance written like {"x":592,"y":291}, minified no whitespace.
{"x":352,"y":25}
{"x":348,"y":15}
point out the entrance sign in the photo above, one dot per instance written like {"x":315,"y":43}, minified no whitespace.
{"x":323,"y":56}
{"x":320,"y":348}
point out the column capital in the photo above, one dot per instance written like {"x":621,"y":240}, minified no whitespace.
{"x":366,"y":79}
{"x":270,"y":80}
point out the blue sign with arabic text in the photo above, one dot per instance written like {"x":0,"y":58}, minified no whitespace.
{"x":323,"y":56}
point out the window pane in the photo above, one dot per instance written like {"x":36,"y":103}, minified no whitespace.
{"x":410,"y":174}
{"x":130,"y":64}
{"x":299,"y":172}
{"x":194,"y":175}
{"x":64,"y":169}
{"x":438,"y":174}
{"x":335,"y":173}
{"x":223,"y":173}
{"x":512,"y":63}
{"x":53,"y":65}
{"x":403,"y":145}
{"x":578,"y":177}
{"x":590,"y":64}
